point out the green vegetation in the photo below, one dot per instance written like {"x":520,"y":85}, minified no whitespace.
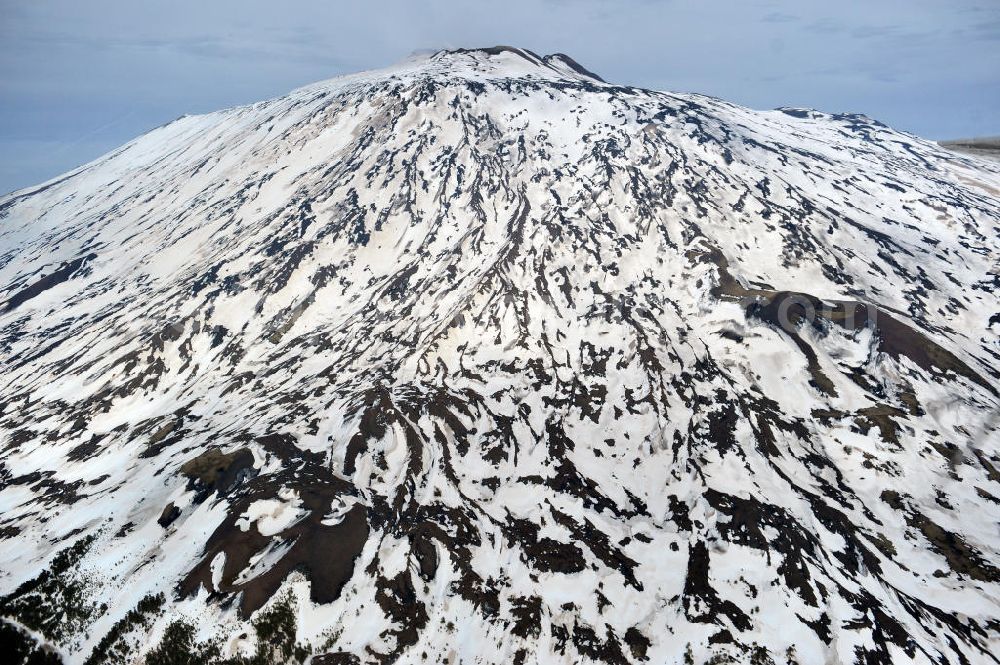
{"x":54,"y":603}
{"x":115,"y":647}
{"x":19,"y":648}
{"x":276,"y":645}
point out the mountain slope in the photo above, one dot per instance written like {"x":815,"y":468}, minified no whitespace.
{"x":482,"y":359}
{"x":985,"y":147}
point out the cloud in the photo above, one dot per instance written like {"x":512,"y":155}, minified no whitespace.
{"x":779,"y":17}
{"x":874,"y":31}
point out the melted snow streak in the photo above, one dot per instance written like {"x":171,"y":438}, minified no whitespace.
{"x":482,"y":359}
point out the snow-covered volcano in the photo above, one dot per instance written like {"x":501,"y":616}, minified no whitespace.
{"x":481,"y":359}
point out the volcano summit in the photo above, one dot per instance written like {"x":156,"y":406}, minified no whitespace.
{"x":480,"y":358}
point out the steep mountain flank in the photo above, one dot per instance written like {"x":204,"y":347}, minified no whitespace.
{"x":480,"y":358}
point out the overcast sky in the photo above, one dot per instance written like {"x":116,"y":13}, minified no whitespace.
{"x":78,"y":78}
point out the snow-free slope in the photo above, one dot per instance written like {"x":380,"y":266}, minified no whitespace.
{"x":481,"y":359}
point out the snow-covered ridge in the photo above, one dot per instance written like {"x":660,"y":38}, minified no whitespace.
{"x":483,"y":358}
